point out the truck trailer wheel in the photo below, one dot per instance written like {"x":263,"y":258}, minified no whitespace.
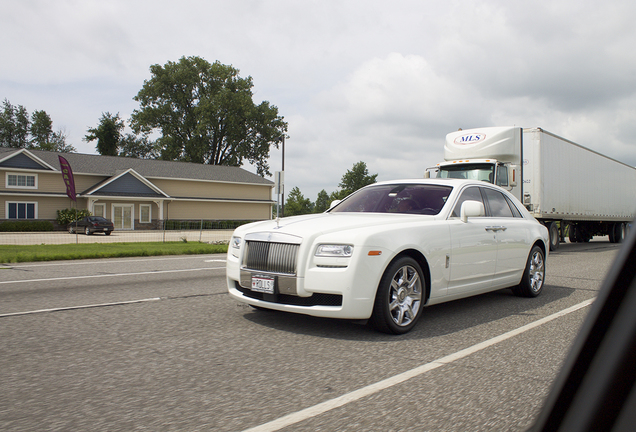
{"x":572,"y":234}
{"x":578,"y":234}
{"x":553,"y":230}
{"x":582,"y":235}
{"x":619,"y":232}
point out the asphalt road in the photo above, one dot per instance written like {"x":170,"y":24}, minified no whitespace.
{"x":156,"y":344}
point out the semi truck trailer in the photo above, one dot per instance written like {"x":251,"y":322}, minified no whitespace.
{"x":575,"y":192}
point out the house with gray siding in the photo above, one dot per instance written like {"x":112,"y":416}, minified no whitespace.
{"x":134,"y":193}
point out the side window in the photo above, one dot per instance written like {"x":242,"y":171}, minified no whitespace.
{"x":498,"y":205}
{"x":515,"y":211}
{"x":470,"y":194}
{"x":502,"y":175}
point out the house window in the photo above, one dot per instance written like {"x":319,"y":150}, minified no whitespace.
{"x":144,"y":213}
{"x":22,"y":210}
{"x":99,"y":210}
{"x":22,"y":181}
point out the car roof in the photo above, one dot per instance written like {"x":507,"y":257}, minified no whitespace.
{"x":454,"y":182}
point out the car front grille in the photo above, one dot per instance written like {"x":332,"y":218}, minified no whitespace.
{"x":271,"y":257}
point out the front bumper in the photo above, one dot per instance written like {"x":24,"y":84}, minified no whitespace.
{"x":323,"y":291}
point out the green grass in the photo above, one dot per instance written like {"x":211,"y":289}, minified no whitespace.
{"x":30,"y":253}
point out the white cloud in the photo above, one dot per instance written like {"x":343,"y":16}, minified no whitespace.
{"x":356,"y":79}
{"x":391,"y":113}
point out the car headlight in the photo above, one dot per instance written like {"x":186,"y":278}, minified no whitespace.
{"x":334,"y":250}
{"x":235,"y":246}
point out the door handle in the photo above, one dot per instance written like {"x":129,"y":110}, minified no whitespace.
{"x":496,"y":228}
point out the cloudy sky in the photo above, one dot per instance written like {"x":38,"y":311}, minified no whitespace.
{"x":357,"y":80}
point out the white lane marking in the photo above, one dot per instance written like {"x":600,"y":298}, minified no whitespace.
{"x":102,"y":261}
{"x":80,"y":307}
{"x":355,"y":395}
{"x":215,"y":260}
{"x":110,"y":275}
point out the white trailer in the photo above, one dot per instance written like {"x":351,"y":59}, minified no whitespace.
{"x":571,"y":189}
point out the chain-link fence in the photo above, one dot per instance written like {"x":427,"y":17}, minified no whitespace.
{"x":62,"y":237}
{"x":205,"y":231}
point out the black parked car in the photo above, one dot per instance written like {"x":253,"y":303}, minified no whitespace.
{"x":91,"y":224}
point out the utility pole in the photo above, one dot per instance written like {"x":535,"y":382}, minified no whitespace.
{"x":282,"y":186}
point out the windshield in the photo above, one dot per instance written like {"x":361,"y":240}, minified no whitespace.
{"x":483,"y":172}
{"x":422,"y":199}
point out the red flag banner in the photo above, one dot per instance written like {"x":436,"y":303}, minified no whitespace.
{"x":67,"y":176}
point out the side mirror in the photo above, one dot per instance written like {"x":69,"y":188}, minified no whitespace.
{"x":334,"y":203}
{"x":471,"y":209}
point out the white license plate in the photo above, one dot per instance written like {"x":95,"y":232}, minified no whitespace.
{"x":263,"y":284}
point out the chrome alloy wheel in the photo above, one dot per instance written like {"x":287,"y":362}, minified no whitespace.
{"x":405,"y":295}
{"x":536,"y":271}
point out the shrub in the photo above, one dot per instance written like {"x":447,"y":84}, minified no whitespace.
{"x":25,"y":226}
{"x":66,"y":216}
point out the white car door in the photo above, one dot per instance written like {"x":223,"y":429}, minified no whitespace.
{"x":473,"y":249}
{"x":513,"y":241}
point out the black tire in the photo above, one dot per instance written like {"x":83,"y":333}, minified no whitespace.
{"x":578,"y":234}
{"x":555,"y":238}
{"x":400,"y":297}
{"x":572,"y":234}
{"x":612,"y":233}
{"x":87,"y":231}
{"x":533,"y":277}
{"x":619,"y":232}
{"x":583,"y":235}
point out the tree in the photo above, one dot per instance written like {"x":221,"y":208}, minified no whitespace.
{"x":356,"y":178}
{"x":337,"y":195}
{"x":137,"y":147}
{"x":14,"y":126}
{"x":43,"y":137}
{"x":352,"y":180}
{"x":111,"y":141}
{"x":107,"y":133}
{"x":205,"y":114}
{"x":17,"y":130}
{"x":41,"y":129}
{"x":322,"y":202}
{"x":297,"y":204}
{"x":57,"y":142}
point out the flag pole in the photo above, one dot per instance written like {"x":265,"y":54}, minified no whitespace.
{"x":76,"y":233}
{"x":69,"y":182}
